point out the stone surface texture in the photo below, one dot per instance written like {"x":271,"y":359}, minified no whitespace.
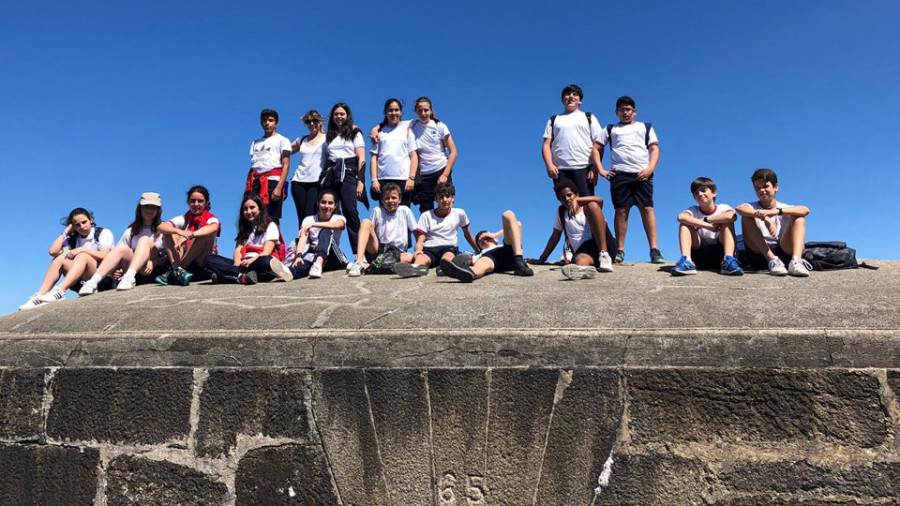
{"x":647,"y":390}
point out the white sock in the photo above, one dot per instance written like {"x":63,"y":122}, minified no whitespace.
{"x":95,"y":279}
{"x":130,"y":274}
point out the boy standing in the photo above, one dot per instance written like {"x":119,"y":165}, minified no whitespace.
{"x":634,"y":152}
{"x":570,"y":148}
{"x":493,"y":257}
{"x":269,"y":159}
{"x":774,"y":232}
{"x":390,"y":225}
{"x":436,"y":234}
{"x":706,"y":233}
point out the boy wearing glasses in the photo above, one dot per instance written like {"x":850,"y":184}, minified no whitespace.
{"x":634,"y":152}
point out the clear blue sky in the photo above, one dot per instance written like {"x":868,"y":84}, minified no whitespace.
{"x":103,"y":101}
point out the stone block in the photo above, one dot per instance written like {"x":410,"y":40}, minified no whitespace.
{"x":290,"y":475}
{"x":21,"y":394}
{"x":520,"y":403}
{"x":774,"y":500}
{"x":740,"y":406}
{"x":45,"y":475}
{"x":400,"y":411}
{"x":585,"y":422}
{"x":345,"y":425}
{"x":459,"y":408}
{"x":269,"y":403}
{"x":134,"y":481}
{"x":877,"y":480}
{"x":137,"y":406}
{"x":655,"y":480}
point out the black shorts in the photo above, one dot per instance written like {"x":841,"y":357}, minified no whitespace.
{"x":753,"y":261}
{"x":708,"y":256}
{"x":502,"y":257}
{"x":580,"y":178}
{"x":588,"y":248}
{"x":435,"y":253}
{"x":627,"y":191}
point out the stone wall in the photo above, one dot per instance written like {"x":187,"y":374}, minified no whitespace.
{"x":445,"y":436}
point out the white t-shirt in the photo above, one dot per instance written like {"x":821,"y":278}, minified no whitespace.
{"x":441,"y":231}
{"x":311,"y":160}
{"x":572,"y":139}
{"x":577,"y":228}
{"x":313,"y":238}
{"x":265,"y":153}
{"x":259,"y":241}
{"x":131,"y":242}
{"x":340,"y":147}
{"x":779,"y":221}
{"x":430,"y":140}
{"x":629,"y":153}
{"x":395,"y":143}
{"x":106,"y":240}
{"x":393,"y":228}
{"x":708,"y":236}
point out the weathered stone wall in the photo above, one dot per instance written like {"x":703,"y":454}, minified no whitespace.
{"x":440,"y":436}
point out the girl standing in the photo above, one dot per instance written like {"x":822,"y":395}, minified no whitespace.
{"x":318,"y":247}
{"x":305,"y":183}
{"x":344,"y":170}
{"x":139,"y":251}
{"x":76,"y":253}
{"x":189,"y":238}
{"x":394,"y":158}
{"x":437,"y":153}
{"x":258,"y":248}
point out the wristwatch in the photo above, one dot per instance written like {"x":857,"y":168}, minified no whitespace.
{"x":706,"y":219}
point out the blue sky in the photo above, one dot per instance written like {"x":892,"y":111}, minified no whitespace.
{"x":103,"y":101}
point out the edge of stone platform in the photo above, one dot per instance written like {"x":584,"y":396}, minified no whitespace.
{"x":464,"y":348}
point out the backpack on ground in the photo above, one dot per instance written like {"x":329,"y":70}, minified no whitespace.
{"x":384,"y":262}
{"x":827,"y":256}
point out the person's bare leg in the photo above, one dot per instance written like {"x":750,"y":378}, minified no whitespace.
{"x":483,"y":267}
{"x":198,"y":250}
{"x":141,"y":254}
{"x":621,"y":224}
{"x":54,"y":272}
{"x":727,"y":239}
{"x":82,"y":265}
{"x":648,"y":217}
{"x":593,"y":213}
{"x":512,"y":232}
{"x":688,"y":239}
{"x":794,"y":237}
{"x":367,"y":241}
{"x":753,"y":238}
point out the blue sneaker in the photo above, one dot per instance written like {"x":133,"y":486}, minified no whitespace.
{"x":684,"y":267}
{"x":730,"y":267}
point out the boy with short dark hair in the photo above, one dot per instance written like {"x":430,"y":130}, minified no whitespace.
{"x":634,"y":153}
{"x":436,"y":234}
{"x":570,"y":143}
{"x":706,"y":234}
{"x":774,"y":232}
{"x":390,"y":225}
{"x":492,"y":256}
{"x":269,"y":159}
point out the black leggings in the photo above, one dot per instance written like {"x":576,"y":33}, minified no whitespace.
{"x":347,"y":191}
{"x":306,"y":196}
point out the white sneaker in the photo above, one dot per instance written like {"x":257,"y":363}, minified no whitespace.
{"x":280,"y":270}
{"x":354,"y":269}
{"x":315,"y":272}
{"x":54,"y":295}
{"x":605,"y":262}
{"x":126,"y":283}
{"x":576,"y":272}
{"x":799,"y":267}
{"x":776,"y":267}
{"x":33,"y":302}
{"x":88,"y":288}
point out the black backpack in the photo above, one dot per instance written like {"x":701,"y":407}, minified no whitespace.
{"x":827,"y":256}
{"x":384,"y":262}
{"x":646,"y":134}
{"x":73,"y":237}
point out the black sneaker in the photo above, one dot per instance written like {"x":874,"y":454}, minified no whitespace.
{"x":182,"y":277}
{"x":521,"y":268}
{"x":166,"y":278}
{"x":248,"y":278}
{"x":461,"y":272}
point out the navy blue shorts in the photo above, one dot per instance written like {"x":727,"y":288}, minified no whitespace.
{"x":708,"y":256}
{"x":627,"y":191}
{"x":753,"y":261}
{"x":588,"y":248}
{"x":502,"y":257}
{"x":435,"y":253}
{"x":579,"y":177}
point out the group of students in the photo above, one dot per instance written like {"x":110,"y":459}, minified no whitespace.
{"x":412,"y":163}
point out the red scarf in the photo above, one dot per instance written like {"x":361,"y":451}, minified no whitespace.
{"x":196,"y":222}
{"x":278,"y":252}
{"x":263,"y":182}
